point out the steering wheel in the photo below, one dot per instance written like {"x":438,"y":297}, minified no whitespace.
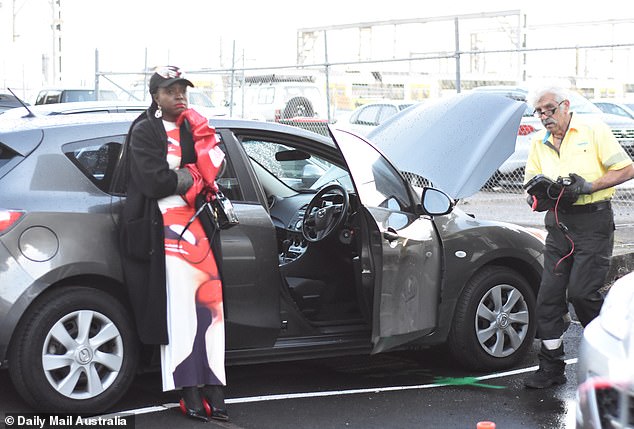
{"x":321,"y":219}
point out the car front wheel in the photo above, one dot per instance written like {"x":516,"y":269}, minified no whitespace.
{"x":76,"y":351}
{"x":494,"y":321}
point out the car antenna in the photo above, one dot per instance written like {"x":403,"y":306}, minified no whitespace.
{"x":30,"y":115}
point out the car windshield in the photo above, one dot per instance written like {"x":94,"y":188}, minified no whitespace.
{"x":295,"y":168}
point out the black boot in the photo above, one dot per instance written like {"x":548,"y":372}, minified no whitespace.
{"x":215,"y":396}
{"x":192,"y":405}
{"x":551,"y":369}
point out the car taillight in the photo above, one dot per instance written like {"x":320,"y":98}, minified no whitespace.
{"x":8,"y":218}
{"x":526,"y":130}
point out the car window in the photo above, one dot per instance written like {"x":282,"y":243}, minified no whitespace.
{"x":78,"y":95}
{"x":386,"y":112}
{"x":612,"y":108}
{"x":52,"y":97}
{"x":6,"y":155}
{"x":40,"y":98}
{"x":199,"y":99}
{"x":297,"y":169}
{"x":96,"y":158}
{"x":367,"y":116}
{"x":616,"y":110}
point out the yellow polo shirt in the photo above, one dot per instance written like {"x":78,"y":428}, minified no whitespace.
{"x":589,"y":149}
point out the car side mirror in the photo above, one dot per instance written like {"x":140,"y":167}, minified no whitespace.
{"x":435,"y":202}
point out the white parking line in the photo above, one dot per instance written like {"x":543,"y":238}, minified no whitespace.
{"x":249,"y":399}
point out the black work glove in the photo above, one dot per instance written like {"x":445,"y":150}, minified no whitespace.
{"x":579,"y":186}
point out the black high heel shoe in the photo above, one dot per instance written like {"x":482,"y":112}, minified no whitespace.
{"x":214,"y":396}
{"x":192,"y":405}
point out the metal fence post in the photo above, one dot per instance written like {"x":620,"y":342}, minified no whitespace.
{"x":96,"y":74}
{"x":327,"y":70}
{"x":233,"y":75}
{"x":457,"y":36}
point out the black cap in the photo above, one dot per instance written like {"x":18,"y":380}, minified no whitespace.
{"x":166,"y":76}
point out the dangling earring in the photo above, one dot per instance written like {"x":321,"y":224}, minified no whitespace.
{"x":158,"y":113}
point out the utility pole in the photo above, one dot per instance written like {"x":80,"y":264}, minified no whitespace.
{"x":14,"y":13}
{"x":56,"y":27}
{"x":15,"y":9}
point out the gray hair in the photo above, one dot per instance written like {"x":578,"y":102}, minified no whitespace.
{"x":560,"y":94}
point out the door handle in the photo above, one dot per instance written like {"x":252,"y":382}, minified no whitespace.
{"x":390,"y":234}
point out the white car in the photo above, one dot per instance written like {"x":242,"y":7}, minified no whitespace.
{"x":279,"y":98}
{"x":605,"y":369}
{"x":68,"y":95}
{"x":365,"y":118}
{"x":75,"y":107}
{"x":616,"y":107}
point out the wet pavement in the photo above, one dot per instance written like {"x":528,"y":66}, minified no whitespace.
{"x":394,"y":390}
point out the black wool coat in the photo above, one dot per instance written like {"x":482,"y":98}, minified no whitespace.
{"x":148,"y":179}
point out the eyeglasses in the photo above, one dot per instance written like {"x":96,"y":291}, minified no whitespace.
{"x":169,"y":72}
{"x":547,"y":112}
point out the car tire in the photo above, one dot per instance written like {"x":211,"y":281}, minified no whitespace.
{"x":49,"y":337}
{"x":494,"y":320}
{"x":298,"y":107}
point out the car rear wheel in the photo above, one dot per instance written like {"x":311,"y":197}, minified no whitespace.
{"x":298,"y":107}
{"x":76,"y":351}
{"x":494,"y":321}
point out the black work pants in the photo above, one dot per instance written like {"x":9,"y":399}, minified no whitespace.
{"x":578,"y":277}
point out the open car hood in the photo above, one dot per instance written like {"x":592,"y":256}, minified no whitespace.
{"x":456,"y":143}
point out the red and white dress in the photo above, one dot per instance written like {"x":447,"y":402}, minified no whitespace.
{"x":195,"y":319}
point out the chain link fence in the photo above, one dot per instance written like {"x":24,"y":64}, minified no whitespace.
{"x":328,"y":84}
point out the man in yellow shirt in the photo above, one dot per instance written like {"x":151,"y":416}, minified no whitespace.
{"x":579,"y":221}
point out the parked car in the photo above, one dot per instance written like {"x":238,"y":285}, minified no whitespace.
{"x":75,"y":108}
{"x":9,"y":101}
{"x":605,"y":369}
{"x":511,"y":173}
{"x":616,"y":107}
{"x":66,"y":95}
{"x":394,"y":266}
{"x":365,"y":118}
{"x":275,"y":98}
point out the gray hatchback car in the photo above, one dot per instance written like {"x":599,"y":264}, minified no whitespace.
{"x":396,"y":266}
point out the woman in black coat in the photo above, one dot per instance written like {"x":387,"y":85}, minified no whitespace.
{"x":170,"y":158}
